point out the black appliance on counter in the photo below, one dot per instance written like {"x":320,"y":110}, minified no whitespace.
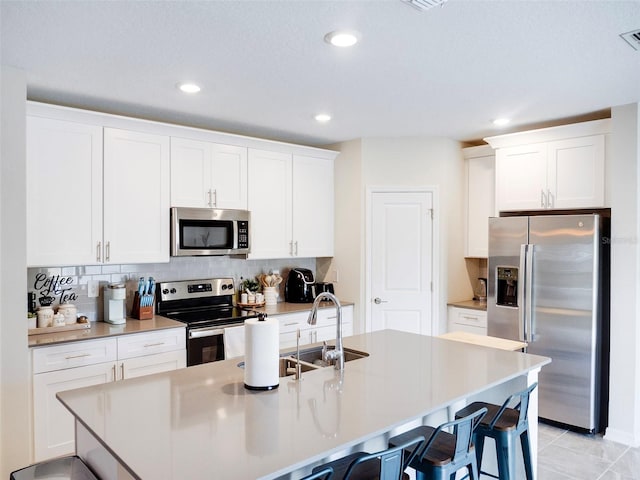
{"x":206,"y":307}
{"x":300,"y":286}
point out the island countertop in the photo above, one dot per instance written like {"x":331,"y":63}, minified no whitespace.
{"x":200,"y":422}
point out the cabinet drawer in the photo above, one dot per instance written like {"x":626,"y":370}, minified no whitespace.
{"x":291,"y":322}
{"x":75,"y":354}
{"x":141,"y":344}
{"x":467,"y":316}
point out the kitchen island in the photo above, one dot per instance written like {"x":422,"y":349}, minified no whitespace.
{"x":201,"y":423}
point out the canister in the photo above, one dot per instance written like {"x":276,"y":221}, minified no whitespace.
{"x":70,"y":313}
{"x":45,"y":317}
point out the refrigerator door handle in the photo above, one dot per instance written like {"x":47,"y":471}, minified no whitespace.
{"x":528,"y":294}
{"x":521,"y":295}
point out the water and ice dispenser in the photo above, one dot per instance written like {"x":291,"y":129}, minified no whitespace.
{"x":507,"y":286}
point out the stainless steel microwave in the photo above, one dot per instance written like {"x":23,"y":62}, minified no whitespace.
{"x":209,"y":231}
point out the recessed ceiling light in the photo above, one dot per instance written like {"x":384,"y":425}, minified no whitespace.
{"x":342,"y":38}
{"x":189,"y":87}
{"x":322,"y":117}
{"x":501,"y":122}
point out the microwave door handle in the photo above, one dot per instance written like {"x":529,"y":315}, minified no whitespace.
{"x":521,"y":294}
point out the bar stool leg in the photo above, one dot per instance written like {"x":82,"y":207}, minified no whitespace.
{"x":526,"y":453}
{"x":504,"y":460}
{"x":478,"y":442}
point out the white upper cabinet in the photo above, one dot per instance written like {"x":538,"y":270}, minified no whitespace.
{"x":64,"y":192}
{"x":270,"y":204}
{"x":480,"y":168}
{"x":313,"y":207}
{"x":291,"y":204}
{"x":136,"y":197}
{"x":209,"y":175}
{"x":552,"y":168}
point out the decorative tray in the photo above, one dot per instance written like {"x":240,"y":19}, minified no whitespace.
{"x":252,"y":305}
{"x":63,"y":328}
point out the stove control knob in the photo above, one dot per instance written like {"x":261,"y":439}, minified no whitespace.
{"x":165,"y":291}
{"x":173,"y":290}
{"x":230,"y":286}
{"x":224,"y":286}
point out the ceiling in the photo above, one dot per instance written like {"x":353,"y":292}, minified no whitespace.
{"x":265,"y":70}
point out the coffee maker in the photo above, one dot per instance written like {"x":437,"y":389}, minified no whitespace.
{"x":115,"y":295}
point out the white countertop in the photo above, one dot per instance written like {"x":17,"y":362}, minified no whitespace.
{"x":201,"y":423}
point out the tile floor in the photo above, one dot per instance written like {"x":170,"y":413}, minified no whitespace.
{"x":565,"y":455}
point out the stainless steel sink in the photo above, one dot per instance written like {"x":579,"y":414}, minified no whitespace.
{"x":314,"y":355}
{"x":310,"y":359}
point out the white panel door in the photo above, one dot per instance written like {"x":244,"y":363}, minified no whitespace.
{"x":521,"y":177}
{"x":312,"y":207}
{"x":136,"y":197}
{"x":270,"y":204}
{"x":64,"y":192}
{"x":401,"y":261}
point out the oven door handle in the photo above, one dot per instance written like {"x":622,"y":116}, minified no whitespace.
{"x":206,"y":332}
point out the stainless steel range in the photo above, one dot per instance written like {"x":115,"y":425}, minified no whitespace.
{"x":207,"y":308}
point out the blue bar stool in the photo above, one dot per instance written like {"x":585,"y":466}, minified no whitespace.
{"x":386,"y":465}
{"x":504,"y":424}
{"x":64,"y":468}
{"x":323,"y":474}
{"x":445,"y":453}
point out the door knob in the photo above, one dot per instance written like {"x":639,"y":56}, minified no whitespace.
{"x":378,"y":301}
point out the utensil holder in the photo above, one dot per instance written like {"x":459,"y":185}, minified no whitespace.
{"x":141,"y":313}
{"x":270,"y":295}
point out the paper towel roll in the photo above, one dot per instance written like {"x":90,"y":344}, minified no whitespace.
{"x":262,"y":354}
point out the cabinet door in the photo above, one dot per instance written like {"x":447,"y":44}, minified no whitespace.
{"x":480,"y":204}
{"x":576,"y":172}
{"x":521,"y":177}
{"x":190,"y":173}
{"x":313,"y":207}
{"x":136,"y":197}
{"x":64,"y":192}
{"x":229,"y":177}
{"x":162,"y":362}
{"x":53,"y":425}
{"x":269,"y":191}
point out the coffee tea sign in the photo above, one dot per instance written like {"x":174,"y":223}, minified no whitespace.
{"x":54,"y":287}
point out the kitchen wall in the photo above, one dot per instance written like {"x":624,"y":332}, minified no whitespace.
{"x":400,"y":162}
{"x":15,"y":388}
{"x":179,"y":268}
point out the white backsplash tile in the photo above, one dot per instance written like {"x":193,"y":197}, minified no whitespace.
{"x":178,"y":268}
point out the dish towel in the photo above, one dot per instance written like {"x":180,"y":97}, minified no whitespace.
{"x":234,"y":342}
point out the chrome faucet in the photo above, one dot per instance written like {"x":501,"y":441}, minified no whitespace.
{"x":337,"y":354}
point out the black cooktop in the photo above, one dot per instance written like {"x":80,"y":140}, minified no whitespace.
{"x":212,"y":316}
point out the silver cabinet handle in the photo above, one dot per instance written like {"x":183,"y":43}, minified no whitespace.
{"x":113,"y":370}
{"x":291,"y":248}
{"x":296,"y":248}
{"x":550,"y":198}
{"x":378,"y":301}
{"x":122,"y":371}
{"x":209,"y":194}
{"x":147,"y":345}
{"x":82,"y":355}
{"x":98,"y":250}
{"x":107,"y":252}
{"x":215,"y":198}
{"x":543,"y":199}
{"x":292,"y":323}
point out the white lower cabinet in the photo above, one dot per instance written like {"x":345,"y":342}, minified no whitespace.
{"x":92,"y":362}
{"x":324,"y":329}
{"x":467,"y":320}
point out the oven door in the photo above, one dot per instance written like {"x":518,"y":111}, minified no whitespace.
{"x":207,"y":344}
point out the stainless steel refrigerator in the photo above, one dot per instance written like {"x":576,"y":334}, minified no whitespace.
{"x":548,"y":286}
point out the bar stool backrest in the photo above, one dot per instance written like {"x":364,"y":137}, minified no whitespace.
{"x":522,"y":406}
{"x":393,"y":461}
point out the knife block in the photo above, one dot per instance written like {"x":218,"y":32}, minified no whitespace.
{"x":141,"y":313}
